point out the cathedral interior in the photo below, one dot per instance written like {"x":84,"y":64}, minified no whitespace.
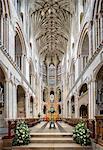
{"x":51,"y":65}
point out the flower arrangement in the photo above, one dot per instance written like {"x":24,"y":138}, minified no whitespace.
{"x":22,"y":134}
{"x":81,"y":134}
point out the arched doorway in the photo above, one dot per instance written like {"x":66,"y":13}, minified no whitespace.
{"x":31,"y":106}
{"x":21,"y":113}
{"x":83,"y":111}
{"x":2,"y":98}
{"x":99,"y":92}
{"x":83,"y":101}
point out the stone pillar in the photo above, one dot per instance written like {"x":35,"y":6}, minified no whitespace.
{"x":14,"y":102}
{"x":70,"y":111}
{"x":76,"y":106}
{"x":27,"y":106}
{"x":101,"y":26}
{"x":92,"y":99}
{"x":90,"y":39}
{"x":66,"y":108}
{"x":7,"y":99}
{"x":91,"y":88}
{"x":89,"y":102}
{"x":10,"y":99}
{"x":33,"y":107}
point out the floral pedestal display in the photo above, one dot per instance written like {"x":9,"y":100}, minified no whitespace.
{"x":81,"y":134}
{"x":22,"y":134}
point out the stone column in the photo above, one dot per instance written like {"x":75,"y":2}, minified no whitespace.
{"x":89,"y":100}
{"x":90,"y":39}
{"x":14,"y":102}
{"x":92,"y":99}
{"x":91,"y":88}
{"x":76,"y":106}
{"x":27,"y":106}
{"x":66,"y":108}
{"x":101,"y":26}
{"x":33,"y":107}
{"x":70,"y":111}
{"x":7,"y":99}
{"x":10,"y":100}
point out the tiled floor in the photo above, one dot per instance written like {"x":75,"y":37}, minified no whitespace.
{"x":43,"y":127}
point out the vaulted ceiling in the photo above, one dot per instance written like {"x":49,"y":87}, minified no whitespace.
{"x":51,"y":21}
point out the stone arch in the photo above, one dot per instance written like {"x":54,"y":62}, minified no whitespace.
{"x":81,"y":38}
{"x":83,"y":100}
{"x":2,"y":96}
{"x":97,"y":16}
{"x":4,"y":70}
{"x":72,"y":72}
{"x":83,"y":89}
{"x":6,"y":7}
{"x":99,"y":92}
{"x":21,"y":37}
{"x":4,"y":22}
{"x":20,"y":49}
{"x":83,"y":110}
{"x":83,"y":51}
{"x":21,"y":110}
{"x":98,"y":6}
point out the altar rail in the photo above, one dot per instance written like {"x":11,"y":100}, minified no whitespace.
{"x":13,"y":122}
{"x":99,"y":130}
{"x":88,"y":122}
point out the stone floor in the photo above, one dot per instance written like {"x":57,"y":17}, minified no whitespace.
{"x":44,"y":138}
{"x":43,"y":127}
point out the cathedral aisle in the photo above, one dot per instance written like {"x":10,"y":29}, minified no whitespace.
{"x":44,"y":138}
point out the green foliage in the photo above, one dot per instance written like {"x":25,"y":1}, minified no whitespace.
{"x":22,"y":134}
{"x":81,"y":134}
